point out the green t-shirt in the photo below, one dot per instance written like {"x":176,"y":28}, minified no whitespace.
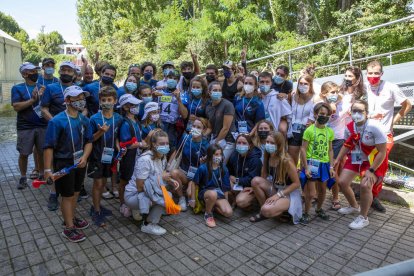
{"x":318,"y":139}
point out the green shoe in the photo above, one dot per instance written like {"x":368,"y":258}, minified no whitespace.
{"x":321,"y":213}
{"x":305,"y":219}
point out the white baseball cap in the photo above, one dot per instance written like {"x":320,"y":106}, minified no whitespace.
{"x":149,"y":107}
{"x":28,"y":66}
{"x":69,"y":64}
{"x":128,"y":98}
{"x":74,"y":91}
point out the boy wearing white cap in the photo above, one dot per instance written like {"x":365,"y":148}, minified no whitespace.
{"x":150,"y":119}
{"x":69,"y":142}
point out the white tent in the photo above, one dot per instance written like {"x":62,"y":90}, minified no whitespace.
{"x":10,"y":60}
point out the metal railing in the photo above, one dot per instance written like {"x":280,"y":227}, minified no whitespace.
{"x":349,"y":40}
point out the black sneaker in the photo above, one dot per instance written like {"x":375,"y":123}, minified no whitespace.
{"x":52,"y":204}
{"x":105,"y":211}
{"x":22,"y":183}
{"x":321,"y":213}
{"x":99,"y":219}
{"x":73,"y":235}
{"x":305,"y":219}
{"x":83,"y":194}
{"x":377,"y":206}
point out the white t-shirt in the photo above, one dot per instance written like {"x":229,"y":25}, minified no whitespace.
{"x":301,"y":113}
{"x":340,"y":118}
{"x":144,"y":167}
{"x":382,"y":101}
{"x":275,"y":108}
{"x":371,"y":132}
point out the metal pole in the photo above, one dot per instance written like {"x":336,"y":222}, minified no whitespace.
{"x":350,"y":49}
{"x":390,"y":59}
{"x":338,"y":70}
{"x":290,"y":66}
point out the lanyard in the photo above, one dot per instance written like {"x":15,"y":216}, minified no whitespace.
{"x":199,"y":151}
{"x":53,"y":81}
{"x":296,"y":111}
{"x":28,"y":93}
{"x":71,"y":133}
{"x":217,"y":180}
{"x":237,"y":168}
{"x":360,"y":135}
{"x":61,"y":87}
{"x":113,"y":130}
{"x":244,"y":109}
{"x":191,"y":106}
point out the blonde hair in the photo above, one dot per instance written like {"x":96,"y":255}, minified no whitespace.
{"x":256,"y":138}
{"x":281,"y":155}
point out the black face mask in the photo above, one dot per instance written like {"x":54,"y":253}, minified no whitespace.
{"x":263,"y":134}
{"x":348,"y":83}
{"x":65,"y":78}
{"x":188,"y":75}
{"x":107,"y":80}
{"x":33,"y":77}
{"x":210,"y":78}
{"x":323,"y":119}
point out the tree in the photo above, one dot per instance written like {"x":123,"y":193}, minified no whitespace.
{"x":49,"y":43}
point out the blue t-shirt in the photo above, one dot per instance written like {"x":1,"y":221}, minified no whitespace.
{"x":42,"y":81}
{"x":125,"y":132}
{"x":196,"y":107}
{"x":53,"y":98}
{"x":59,"y":135}
{"x":26,"y":118}
{"x":152,"y":83}
{"x":249,"y":110}
{"x":205,"y":183}
{"x":147,"y":129}
{"x":109,"y":137}
{"x":192,"y":152}
{"x":92,"y":102}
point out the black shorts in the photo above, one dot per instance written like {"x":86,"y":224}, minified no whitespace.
{"x":127,"y":164}
{"x":336,"y":146}
{"x":67,"y":185}
{"x":297,"y":139}
{"x":97,"y":170}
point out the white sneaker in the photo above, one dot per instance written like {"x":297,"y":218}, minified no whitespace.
{"x":153,"y":229}
{"x":183,"y":204}
{"x":136,"y":215}
{"x":349,"y":210}
{"x":115,"y":193}
{"x":107,"y":195}
{"x":359,"y":223}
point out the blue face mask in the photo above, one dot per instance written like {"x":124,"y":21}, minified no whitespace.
{"x":171,"y":83}
{"x":264,"y":89}
{"x":242,"y":149}
{"x":196,"y":92}
{"x":147,"y":99}
{"x":131,"y":86}
{"x":332,"y":98}
{"x":216,"y":95}
{"x":227,"y":74}
{"x":163,"y":149}
{"x":270,"y":148}
{"x":49,"y":70}
{"x":148,"y":75}
{"x":278,"y":79}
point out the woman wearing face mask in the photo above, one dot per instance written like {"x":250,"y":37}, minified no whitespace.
{"x":302,"y":108}
{"x":231,"y":85}
{"x":330,"y":95}
{"x":130,"y":86}
{"x":194,"y":150}
{"x":353,"y":84}
{"x":150,"y":119}
{"x":130,"y":128}
{"x":197,"y":103}
{"x":144,"y":94}
{"x":244,"y":165}
{"x":277,"y":189}
{"x":262,"y":130}
{"x":365,"y":147}
{"x":220,"y":113}
{"x":212,"y":179}
{"x":249,"y":108}
{"x":280,"y":82}
{"x":149,"y":70}
{"x":151,"y":163}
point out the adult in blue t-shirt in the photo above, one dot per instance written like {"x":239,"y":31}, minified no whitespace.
{"x":52,"y":100}
{"x":48,"y":66}
{"x":148,"y":70}
{"x":31,"y":127}
{"x":108,"y":75}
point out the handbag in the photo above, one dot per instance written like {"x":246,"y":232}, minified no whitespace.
{"x":174,"y":164}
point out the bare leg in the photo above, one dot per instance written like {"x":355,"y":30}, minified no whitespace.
{"x":224,"y":208}
{"x":121,"y":190}
{"x":260,"y":188}
{"x":98,"y":186}
{"x":276,"y":208}
{"x":321,"y":194}
{"x":344,"y":182}
{"x":366,"y":196}
{"x":67,"y":210}
{"x":294,"y":153}
{"x":210,"y":198}
{"x":310,"y":193}
{"x":23,"y":165}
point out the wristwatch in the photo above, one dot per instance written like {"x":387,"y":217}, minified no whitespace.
{"x":371,"y":170}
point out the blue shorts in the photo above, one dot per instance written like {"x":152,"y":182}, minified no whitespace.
{"x":220,"y":194}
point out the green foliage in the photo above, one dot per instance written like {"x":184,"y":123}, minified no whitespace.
{"x":8,"y":24}
{"x":49,"y":43}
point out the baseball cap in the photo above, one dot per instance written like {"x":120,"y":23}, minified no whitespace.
{"x":74,"y":91}
{"x":69,"y":64}
{"x":151,"y":106}
{"x":168,"y":63}
{"x":128,"y":98}
{"x":48,"y":60}
{"x":27,"y":66}
{"x":228,"y":64}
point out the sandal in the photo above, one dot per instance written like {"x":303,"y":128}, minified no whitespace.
{"x":34,"y":175}
{"x":257,"y":218}
{"x":336,"y":205}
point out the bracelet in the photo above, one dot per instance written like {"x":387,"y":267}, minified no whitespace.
{"x":282,"y":193}
{"x":191,"y":200}
{"x":47,"y":170}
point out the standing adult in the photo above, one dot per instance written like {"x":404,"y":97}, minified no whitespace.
{"x":167,"y":67}
{"x":31,"y":127}
{"x":231,"y":85}
{"x":382,"y":97}
{"x":48,"y":67}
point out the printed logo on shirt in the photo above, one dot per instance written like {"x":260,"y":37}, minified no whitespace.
{"x":320,"y":147}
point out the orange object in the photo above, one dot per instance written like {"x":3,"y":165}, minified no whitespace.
{"x":170,"y":207}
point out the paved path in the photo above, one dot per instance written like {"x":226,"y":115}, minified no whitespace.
{"x":30,"y":241}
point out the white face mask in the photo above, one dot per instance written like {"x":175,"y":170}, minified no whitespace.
{"x":357,"y":117}
{"x":248,"y":88}
{"x":196,"y":132}
{"x":134,"y":110}
{"x":155,"y":117}
{"x":217,"y":159}
{"x":303,"y":88}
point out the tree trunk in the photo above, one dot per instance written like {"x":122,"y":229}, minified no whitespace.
{"x":303,"y":18}
{"x":344,"y":5}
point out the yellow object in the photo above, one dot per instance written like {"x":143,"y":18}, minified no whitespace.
{"x":199,"y":207}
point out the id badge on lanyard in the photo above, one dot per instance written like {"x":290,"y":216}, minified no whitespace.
{"x":242,"y":126}
{"x":297,"y":128}
{"x":267,"y":116}
{"x":356,"y":157}
{"x":107,"y":155}
{"x":191,"y":172}
{"x":77,"y":156}
{"x":236,"y":186}
{"x":37,"y":109}
{"x":314,"y":167}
